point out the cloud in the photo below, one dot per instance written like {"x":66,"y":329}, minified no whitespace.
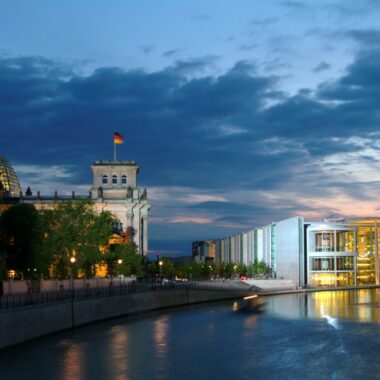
{"x":367,"y":38}
{"x":322,"y":66}
{"x":262,"y":22}
{"x":147,"y":49}
{"x":294,"y":5}
{"x":229,"y":149}
{"x":171,"y":53}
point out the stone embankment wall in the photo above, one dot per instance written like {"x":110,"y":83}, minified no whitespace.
{"x":24,"y":323}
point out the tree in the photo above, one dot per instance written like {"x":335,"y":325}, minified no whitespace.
{"x":167,"y":269}
{"x":124,"y":259}
{"x":259,"y":268}
{"x":19,"y":229}
{"x":74,"y":229}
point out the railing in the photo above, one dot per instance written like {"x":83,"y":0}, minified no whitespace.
{"x":71,"y":295}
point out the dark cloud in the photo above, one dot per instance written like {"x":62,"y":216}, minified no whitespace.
{"x":201,"y":131}
{"x":146,"y":49}
{"x":189,"y":66}
{"x":322,"y":66}
{"x":367,"y":37}
{"x":171,"y":53}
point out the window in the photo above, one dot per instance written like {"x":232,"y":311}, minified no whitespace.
{"x":114,"y":179}
{"x":105,"y":179}
{"x":124,"y":180}
{"x":117,"y":227}
{"x":324,"y":241}
{"x":345,"y":241}
{"x":345,"y":263}
{"x":322,"y":264}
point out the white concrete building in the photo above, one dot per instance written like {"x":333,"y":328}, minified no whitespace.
{"x":115,"y":190}
{"x":329,"y":253}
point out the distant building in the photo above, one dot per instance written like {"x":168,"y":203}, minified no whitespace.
{"x":114,"y":189}
{"x":203,"y":250}
{"x":187,"y":260}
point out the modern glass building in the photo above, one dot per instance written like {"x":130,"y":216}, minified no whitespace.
{"x":9,"y":182}
{"x":330,"y":253}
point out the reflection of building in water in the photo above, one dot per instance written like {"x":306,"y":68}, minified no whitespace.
{"x":114,"y":189}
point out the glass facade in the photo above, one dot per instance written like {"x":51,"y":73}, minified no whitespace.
{"x":344,"y":253}
{"x":331,"y":255}
{"x":332,"y":279}
{"x":8,"y":179}
{"x":366,"y":245}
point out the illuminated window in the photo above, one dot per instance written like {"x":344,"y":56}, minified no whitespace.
{"x":124,"y":179}
{"x":114,"y":179}
{"x":322,"y":264}
{"x":105,"y":179}
{"x":345,"y":263}
{"x":324,"y":241}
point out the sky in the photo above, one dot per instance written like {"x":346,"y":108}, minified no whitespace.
{"x":238,"y":113}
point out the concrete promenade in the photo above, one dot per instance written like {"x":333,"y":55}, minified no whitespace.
{"x":25,"y":322}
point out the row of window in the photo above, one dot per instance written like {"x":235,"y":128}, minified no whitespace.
{"x":328,"y":264}
{"x":124,"y":180}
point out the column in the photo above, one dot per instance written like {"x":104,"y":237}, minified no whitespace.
{"x":376,"y":255}
{"x":355,"y":256}
{"x":145,"y":243}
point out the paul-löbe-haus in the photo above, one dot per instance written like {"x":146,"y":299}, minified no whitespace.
{"x":330,"y":253}
{"x":114,"y":189}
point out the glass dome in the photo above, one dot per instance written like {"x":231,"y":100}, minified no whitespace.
{"x":8,"y":179}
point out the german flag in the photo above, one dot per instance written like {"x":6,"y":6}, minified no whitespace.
{"x":117,"y":138}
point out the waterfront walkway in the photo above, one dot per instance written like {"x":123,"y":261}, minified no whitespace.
{"x":73,"y":295}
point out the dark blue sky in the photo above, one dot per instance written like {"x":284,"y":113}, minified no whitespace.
{"x":238,"y":114}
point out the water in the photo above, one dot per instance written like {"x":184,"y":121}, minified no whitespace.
{"x":325,"y":335}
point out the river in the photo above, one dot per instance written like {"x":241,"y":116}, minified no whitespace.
{"x":323,"y":335}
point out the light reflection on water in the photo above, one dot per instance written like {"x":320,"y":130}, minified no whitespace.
{"x":119,"y":348}
{"x":297,"y":336}
{"x":160,"y":339}
{"x":362,"y":305}
{"x":72,"y":360}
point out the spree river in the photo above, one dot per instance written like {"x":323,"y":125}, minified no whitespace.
{"x":324,"y":335}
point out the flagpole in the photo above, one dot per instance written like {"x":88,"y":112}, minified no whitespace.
{"x":114,"y":150}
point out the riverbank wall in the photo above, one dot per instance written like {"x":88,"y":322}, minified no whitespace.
{"x":24,"y":323}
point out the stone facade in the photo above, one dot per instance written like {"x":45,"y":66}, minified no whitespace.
{"x":115,"y":189}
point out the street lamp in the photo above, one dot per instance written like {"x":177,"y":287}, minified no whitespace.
{"x":160,"y":264}
{"x":72,"y":261}
{"x":119,"y":262}
{"x":235,"y":267}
